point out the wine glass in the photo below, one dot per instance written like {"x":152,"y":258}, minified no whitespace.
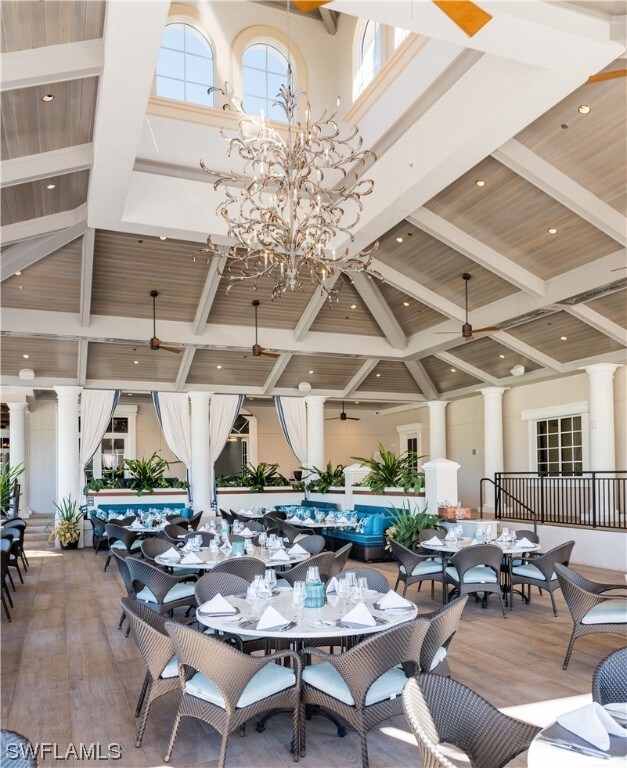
{"x":362,"y":583}
{"x":343,"y":591}
{"x":271,"y":578}
{"x":351,"y":578}
{"x":298,"y":599}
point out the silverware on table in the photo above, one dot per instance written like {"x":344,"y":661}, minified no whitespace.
{"x":563,"y":744}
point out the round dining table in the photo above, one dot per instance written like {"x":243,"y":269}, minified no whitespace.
{"x":209,"y":560}
{"x":451,"y":547}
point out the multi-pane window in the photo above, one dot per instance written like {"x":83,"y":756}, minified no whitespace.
{"x":264,"y":71}
{"x":369,"y":56}
{"x":185,"y":65}
{"x":412,"y":449}
{"x":559,"y":445}
{"x":108,"y":461}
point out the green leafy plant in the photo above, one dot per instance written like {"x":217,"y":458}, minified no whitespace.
{"x":330,"y":477}
{"x":147,"y":474}
{"x":96,"y":484}
{"x":409,"y":524}
{"x":67,"y":524}
{"x":8,"y":479}
{"x":392,"y":471}
{"x":229,"y":481}
{"x":264,"y":474}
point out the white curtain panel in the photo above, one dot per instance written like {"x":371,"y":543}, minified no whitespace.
{"x":173,"y":411}
{"x":223,"y":410}
{"x":97,"y":406}
{"x":293,"y":418}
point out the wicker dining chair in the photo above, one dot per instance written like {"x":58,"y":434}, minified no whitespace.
{"x":441,"y":710}
{"x":161,"y":591}
{"x":591,"y":609}
{"x":609,"y":681}
{"x":252,"y":525}
{"x":194,"y":521}
{"x":429,"y":533}
{"x":206,"y":537}
{"x":363,"y":685}
{"x":17,"y":524}
{"x":121,"y":559}
{"x":375,"y":579}
{"x":314,"y":544}
{"x":273,"y":515}
{"x":227,"y":516}
{"x":289,"y":531}
{"x":157,"y":651}
{"x":340,"y":558}
{"x":442,"y":628}
{"x":476,"y":569}
{"x":539,"y":572}
{"x":13,"y":537}
{"x":244,"y":567}
{"x":121,"y":539}
{"x":324,"y":562}
{"x":414,"y":568}
{"x":224,"y":687}
{"x":99,"y":534}
{"x":153,"y":547}
{"x":4,"y":572}
{"x":175,"y":532}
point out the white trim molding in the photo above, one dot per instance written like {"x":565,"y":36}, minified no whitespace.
{"x":554,"y":411}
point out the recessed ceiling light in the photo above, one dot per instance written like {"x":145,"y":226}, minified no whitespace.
{"x":552,"y":230}
{"x":584,"y":109}
{"x":18,"y":273}
{"x":480,"y":183}
{"x":21,"y":287}
{"x":135,"y":362}
{"x":378,"y":375}
{"x":219,"y":367}
{"x":25,"y":357}
{"x":399,"y":239}
{"x":51,"y":186}
{"x":453,"y":370}
{"x":502,"y":357}
{"x":48,"y":97}
{"x":310,"y":372}
{"x":129,"y":394}
{"x":161,"y":237}
{"x":356,"y":402}
{"x":405,"y":303}
{"x":564,"y":338}
{"x":353,"y":306}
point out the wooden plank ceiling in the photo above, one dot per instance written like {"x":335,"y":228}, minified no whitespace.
{"x":390,"y":376}
{"x":613,"y":306}
{"x":28,"y":24}
{"x":117,"y":362}
{"x":34,"y":198}
{"x":47,"y":357}
{"x":219,"y":366}
{"x":348,"y":315}
{"x":447,"y":377}
{"x":412,"y":315}
{"x":493,"y":358}
{"x":322,"y":372}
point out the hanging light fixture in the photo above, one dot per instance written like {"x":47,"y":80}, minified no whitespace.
{"x":300,"y":188}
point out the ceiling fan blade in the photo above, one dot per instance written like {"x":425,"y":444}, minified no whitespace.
{"x":334,"y":418}
{"x":352,"y":418}
{"x":487,"y":329}
{"x":309,"y":5}
{"x":601,"y":76}
{"x":275,"y":355}
{"x":447,"y":333}
{"x":468,"y":16}
{"x":170,"y":349}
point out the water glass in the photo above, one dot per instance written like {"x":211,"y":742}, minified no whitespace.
{"x":298,"y":598}
{"x":271,"y":578}
{"x":362,"y":583}
{"x":351,"y":578}
{"x":357,"y":594}
{"x":343,"y":591}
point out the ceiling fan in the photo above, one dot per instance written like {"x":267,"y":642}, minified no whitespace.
{"x":343,"y":416}
{"x":467,"y":329}
{"x":258,"y":350}
{"x":155,"y":343}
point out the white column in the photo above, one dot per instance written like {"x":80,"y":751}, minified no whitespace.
{"x":601,"y":416}
{"x":437,"y":429}
{"x":201,"y":462}
{"x":315,"y":430}
{"x":492,"y":437}
{"x":17,"y":445}
{"x":68,"y":464}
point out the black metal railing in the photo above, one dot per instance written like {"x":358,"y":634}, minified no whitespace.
{"x":594,"y":499}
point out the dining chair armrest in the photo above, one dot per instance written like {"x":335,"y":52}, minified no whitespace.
{"x":601,"y":588}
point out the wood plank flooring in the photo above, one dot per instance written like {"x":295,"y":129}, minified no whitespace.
{"x":69,"y":675}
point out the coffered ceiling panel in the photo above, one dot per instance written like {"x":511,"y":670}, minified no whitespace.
{"x":349,"y":315}
{"x":34,"y":24}
{"x":322,"y":372}
{"x":446,"y":377}
{"x":117,"y":361}
{"x":235,"y":307}
{"x":235,"y":368}
{"x":613,"y":306}
{"x":30,"y":125}
{"x":513,"y":217}
{"x":580,"y":340}
{"x":53,"y":283}
{"x":128,"y":267}
{"x":493,"y":358}
{"x":32,"y":199}
{"x":589,"y":148}
{"x":390,"y":376}
{"x":436,"y":266}
{"x":47,"y":357}
{"x":411,"y":314}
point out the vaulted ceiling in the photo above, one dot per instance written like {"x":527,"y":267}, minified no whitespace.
{"x":487,"y":167}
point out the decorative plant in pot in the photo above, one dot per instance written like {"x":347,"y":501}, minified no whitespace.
{"x":329,"y":477}
{"x":144,"y":475}
{"x":262,"y":476}
{"x":8,"y":480}
{"x":392,"y":471}
{"x":67,"y":524}
{"x":409,"y":524}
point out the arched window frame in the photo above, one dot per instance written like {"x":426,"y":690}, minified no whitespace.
{"x":391,"y":39}
{"x":269,"y":98}
{"x":194,"y":25}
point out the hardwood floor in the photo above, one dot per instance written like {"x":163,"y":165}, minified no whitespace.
{"x":69,"y":675}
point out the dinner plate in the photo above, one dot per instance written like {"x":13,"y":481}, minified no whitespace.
{"x":394,"y":608}
{"x":234,"y":612}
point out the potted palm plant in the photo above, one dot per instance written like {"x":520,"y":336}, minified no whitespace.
{"x":67,"y":524}
{"x":8,"y":480}
{"x":325,"y":479}
{"x":408,"y":524}
{"x":392,"y":472}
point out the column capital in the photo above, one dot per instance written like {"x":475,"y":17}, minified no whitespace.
{"x":601,"y":370}
{"x":435,"y":405}
{"x":315,"y":399}
{"x":200,"y":396}
{"x":493,"y":393}
{"x":68,"y":393}
{"x":16,"y":407}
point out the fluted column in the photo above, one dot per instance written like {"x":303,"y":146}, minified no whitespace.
{"x":315,"y":430}
{"x":601,"y":415}
{"x":17,"y":445}
{"x":201,"y":460}
{"x":492,"y":436}
{"x":437,"y":429}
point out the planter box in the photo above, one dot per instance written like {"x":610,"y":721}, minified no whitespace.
{"x":242,"y":498}
{"x":450,"y":513}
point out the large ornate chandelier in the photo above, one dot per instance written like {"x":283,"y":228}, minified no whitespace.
{"x":300,"y":188}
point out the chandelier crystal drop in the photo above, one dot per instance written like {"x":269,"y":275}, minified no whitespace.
{"x":299,"y":190}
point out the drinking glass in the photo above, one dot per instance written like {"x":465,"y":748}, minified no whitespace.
{"x":298,"y":599}
{"x":343,"y":591}
{"x":362,"y":583}
{"x":357,"y":594}
{"x":262,"y":538}
{"x":351,"y":578}
{"x":263,"y":591}
{"x":271,"y":578}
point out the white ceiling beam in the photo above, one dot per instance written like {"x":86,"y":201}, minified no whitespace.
{"x":83,"y":351}
{"x":87,"y":271}
{"x":462,"y":365}
{"x":186,"y":363}
{"x":276,"y":372}
{"x":423,"y":380}
{"x":477,"y":251}
{"x":329,"y":19}
{"x":25,"y":254}
{"x":51,"y":64}
{"x":316,"y":302}
{"x":377,"y":397}
{"x":417,"y":291}
{"x":209,"y":291}
{"x":562,"y":188}
{"x":44,"y":225}
{"x":361,"y":375}
{"x":598,"y":321}
{"x":380,"y":310}
{"x":19,"y":170}
{"x":507,"y":340}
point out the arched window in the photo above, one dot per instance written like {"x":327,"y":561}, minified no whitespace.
{"x":185,"y":65}
{"x":369,"y":58}
{"x":399,"y":35}
{"x":264,"y":71}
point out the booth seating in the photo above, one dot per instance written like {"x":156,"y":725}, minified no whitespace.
{"x":368,"y":546}
{"x":308,"y":503}
{"x":105,"y":511}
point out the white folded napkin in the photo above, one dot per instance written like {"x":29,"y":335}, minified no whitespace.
{"x":524,"y":543}
{"x":171,"y":554}
{"x":450,"y":535}
{"x":246,"y":532}
{"x":280,"y":556}
{"x":593,"y":724}
{"x":393,"y":600}
{"x":271,"y":618}
{"x":292,"y":520}
{"x":433,"y":542}
{"x":298,"y":550}
{"x":359,"y":615}
{"x":332,"y":586}
{"x":226,"y":546}
{"x":343,"y":519}
{"x":217,"y":604}
{"x":136,"y":524}
{"x":191,"y":558}
{"x":162,"y":525}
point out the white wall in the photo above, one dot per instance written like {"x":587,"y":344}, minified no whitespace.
{"x":42,"y":456}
